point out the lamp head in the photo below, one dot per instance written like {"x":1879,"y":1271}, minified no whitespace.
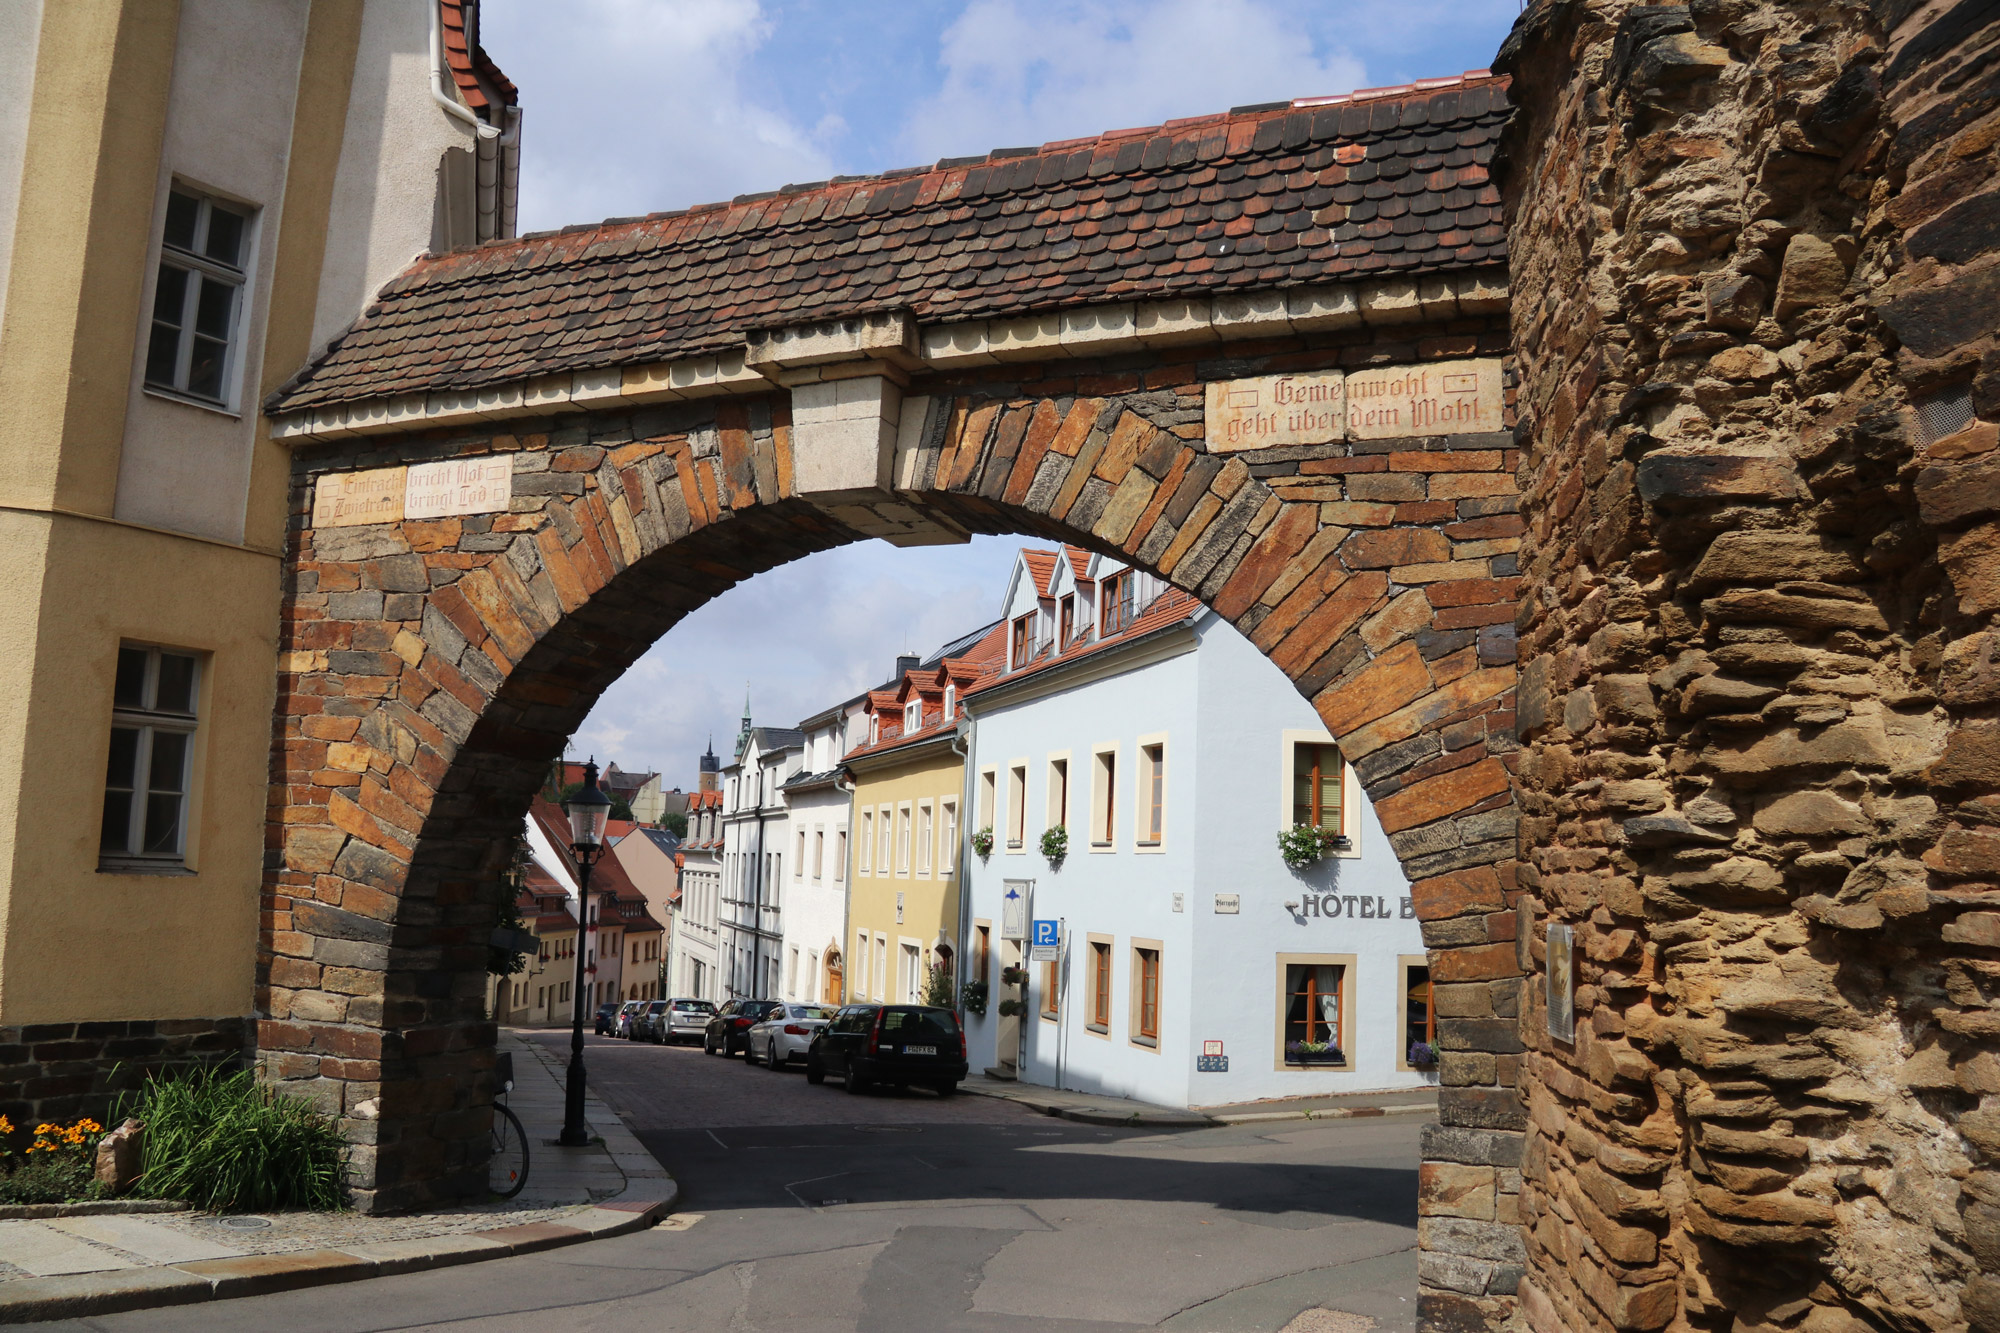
{"x":587,"y":811}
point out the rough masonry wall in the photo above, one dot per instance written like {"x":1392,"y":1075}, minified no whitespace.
{"x":434,"y":668}
{"x":1758,"y":771}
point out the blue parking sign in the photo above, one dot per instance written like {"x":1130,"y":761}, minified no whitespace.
{"x":1045,"y":941}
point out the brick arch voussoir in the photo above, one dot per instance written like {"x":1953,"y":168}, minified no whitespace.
{"x":434,"y":668}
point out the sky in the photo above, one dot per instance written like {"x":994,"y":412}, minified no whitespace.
{"x":634,"y":106}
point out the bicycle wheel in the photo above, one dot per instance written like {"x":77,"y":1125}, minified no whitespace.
{"x":507,"y":1170}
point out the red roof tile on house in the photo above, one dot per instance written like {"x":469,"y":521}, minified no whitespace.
{"x":468,"y":60}
{"x":1079,"y":564}
{"x":1042,"y":566}
{"x":1171,"y":606}
{"x":983,"y":660}
{"x":1390,"y":181}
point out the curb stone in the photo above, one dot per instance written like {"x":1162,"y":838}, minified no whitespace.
{"x":33,"y":1300}
{"x":24,"y":1212}
{"x":1327,"y":1113}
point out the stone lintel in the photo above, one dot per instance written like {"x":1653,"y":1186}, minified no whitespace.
{"x":844,"y":445}
{"x":887,"y":335}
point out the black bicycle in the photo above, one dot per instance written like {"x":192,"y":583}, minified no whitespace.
{"x":507,"y":1169}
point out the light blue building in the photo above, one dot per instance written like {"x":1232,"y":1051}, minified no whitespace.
{"x":1196,"y":967}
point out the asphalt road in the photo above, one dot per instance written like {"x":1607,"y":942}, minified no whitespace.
{"x":806,"y":1210}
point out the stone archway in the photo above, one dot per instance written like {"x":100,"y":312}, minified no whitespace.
{"x":1068,"y":342}
{"x":438,"y":665}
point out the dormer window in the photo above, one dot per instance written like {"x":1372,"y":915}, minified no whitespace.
{"x":874,"y":728}
{"x":1065,"y":620}
{"x":913,"y":715}
{"x":950,"y":702}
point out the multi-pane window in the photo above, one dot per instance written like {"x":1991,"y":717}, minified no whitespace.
{"x":1058,"y":792}
{"x":1419,"y":1012}
{"x":1065,"y":620}
{"x":925,"y":838}
{"x":1115,"y":602}
{"x":1104,"y":799}
{"x":1017,"y":805}
{"x":947,"y":837}
{"x":1146,"y":996}
{"x":1152,"y":792}
{"x":197,"y":296}
{"x":839,"y":855}
{"x":882,"y":849}
{"x":1100,"y":984}
{"x":988,"y":782}
{"x":819,"y":853}
{"x":982,"y":952}
{"x":1024,"y":633}
{"x":913,"y":716}
{"x":799,"y":862}
{"x":903,"y":839}
{"x":152,"y":749}
{"x":1316,"y":784}
{"x":1051,"y":990}
{"x":950,"y":702}
{"x":1314,"y":1012}
{"x":867,"y":840}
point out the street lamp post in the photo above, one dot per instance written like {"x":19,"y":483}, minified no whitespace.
{"x":587,"y":811}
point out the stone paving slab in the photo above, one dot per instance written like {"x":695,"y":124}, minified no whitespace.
{"x":61,"y":1268}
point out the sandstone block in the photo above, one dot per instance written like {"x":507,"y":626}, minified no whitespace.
{"x":1811,"y":814}
{"x":1667,"y":474}
{"x":1770,"y":557}
{"x":1450,"y":1189}
{"x":1733,"y":302}
{"x":1810,"y":275}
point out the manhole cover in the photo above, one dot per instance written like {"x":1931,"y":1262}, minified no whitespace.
{"x":245,"y":1223}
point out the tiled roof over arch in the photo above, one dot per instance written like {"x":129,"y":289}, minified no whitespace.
{"x":1379,"y":183}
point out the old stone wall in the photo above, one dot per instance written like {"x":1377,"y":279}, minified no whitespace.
{"x":1759,"y":765}
{"x":63,"y":1071}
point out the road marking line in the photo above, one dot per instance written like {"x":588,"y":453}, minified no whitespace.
{"x":807,"y":1181}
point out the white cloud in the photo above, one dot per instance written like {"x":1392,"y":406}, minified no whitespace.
{"x":1023,"y":72}
{"x":802,"y":638}
{"x":633,"y":106}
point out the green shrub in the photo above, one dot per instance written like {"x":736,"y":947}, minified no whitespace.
{"x":223,"y":1142}
{"x":49,"y":1179}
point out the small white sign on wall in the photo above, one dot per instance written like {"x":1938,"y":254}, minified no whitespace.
{"x":1561,"y":983}
{"x":459,"y":486}
{"x":1228,"y":904}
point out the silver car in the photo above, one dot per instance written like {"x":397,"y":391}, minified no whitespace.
{"x":783,"y":1035}
{"x":685,"y":1020}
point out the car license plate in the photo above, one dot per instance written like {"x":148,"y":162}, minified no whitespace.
{"x":920,"y":1050}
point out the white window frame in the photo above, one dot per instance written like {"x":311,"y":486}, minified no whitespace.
{"x":819,"y":853}
{"x":799,"y":865}
{"x":905,"y":816}
{"x":1058,"y":791}
{"x":950,"y":702}
{"x":926,"y":835}
{"x":864,"y":864}
{"x":989,"y":796}
{"x":1017,"y":807}
{"x":885,"y":840}
{"x":200,"y":270}
{"x":148,"y":721}
{"x":913,"y":716}
{"x":839,"y":855}
{"x":948,"y":836}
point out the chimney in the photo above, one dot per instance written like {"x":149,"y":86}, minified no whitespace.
{"x":906,"y":664}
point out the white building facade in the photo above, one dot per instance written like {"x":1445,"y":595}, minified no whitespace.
{"x":1198,"y":968}
{"x":694,"y":969}
{"x":755,"y":834}
{"x":817,"y":800}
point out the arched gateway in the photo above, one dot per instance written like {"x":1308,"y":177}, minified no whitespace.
{"x":1260,"y":354}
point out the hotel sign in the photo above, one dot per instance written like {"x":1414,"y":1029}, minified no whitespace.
{"x":1381,"y":402}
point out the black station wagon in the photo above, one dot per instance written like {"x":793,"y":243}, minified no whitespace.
{"x":901,"y":1045}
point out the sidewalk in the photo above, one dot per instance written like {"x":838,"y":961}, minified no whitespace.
{"x":60,"y":1267}
{"x":1099,"y":1109}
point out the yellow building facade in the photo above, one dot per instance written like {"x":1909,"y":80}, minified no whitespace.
{"x":194,"y":196}
{"x":907,"y":829}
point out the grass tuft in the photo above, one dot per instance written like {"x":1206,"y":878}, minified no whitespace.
{"x":223,"y":1142}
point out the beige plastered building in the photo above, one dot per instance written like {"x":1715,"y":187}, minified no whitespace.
{"x":194,"y":196}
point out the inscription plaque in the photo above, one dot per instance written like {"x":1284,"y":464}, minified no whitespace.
{"x":1274,"y":411}
{"x":460,"y":486}
{"x":351,"y":499}
{"x":1435,"y":398}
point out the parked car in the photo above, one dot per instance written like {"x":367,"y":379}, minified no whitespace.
{"x":727,"y":1031}
{"x":607,"y":1014}
{"x":647,"y":1024}
{"x":686,"y":1020}
{"x":901,"y":1045}
{"x":783,"y":1035}
{"x":621,"y":1023}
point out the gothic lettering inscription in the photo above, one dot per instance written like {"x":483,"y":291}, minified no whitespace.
{"x":1436,"y":398}
{"x":351,"y":499}
{"x":1274,"y":411}
{"x":460,"y":486}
